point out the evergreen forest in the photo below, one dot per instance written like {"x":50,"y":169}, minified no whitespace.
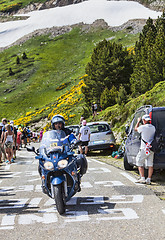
{"x":115,"y":75}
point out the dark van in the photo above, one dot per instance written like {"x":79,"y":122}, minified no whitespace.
{"x":132,"y":145}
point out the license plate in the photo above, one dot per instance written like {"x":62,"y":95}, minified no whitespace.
{"x":99,"y":142}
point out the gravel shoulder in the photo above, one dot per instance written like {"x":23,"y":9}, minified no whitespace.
{"x":158,"y":178}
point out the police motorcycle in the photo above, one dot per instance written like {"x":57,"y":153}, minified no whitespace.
{"x":60,"y":169}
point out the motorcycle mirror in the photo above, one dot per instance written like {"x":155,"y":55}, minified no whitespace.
{"x":127,"y":130}
{"x":78,"y":142}
{"x":30,"y":149}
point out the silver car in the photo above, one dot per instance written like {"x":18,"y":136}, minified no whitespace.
{"x":74,"y":128}
{"x":101,"y":136}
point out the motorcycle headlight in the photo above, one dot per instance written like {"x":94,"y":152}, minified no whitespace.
{"x":48,"y":165}
{"x":62,"y":163}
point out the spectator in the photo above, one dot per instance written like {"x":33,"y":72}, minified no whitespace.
{"x":41,"y":133}
{"x":95,"y":109}
{"x":14,"y":129}
{"x":4,"y":122}
{"x":84,"y":136}
{"x":145,"y":156}
{"x":81,"y":119}
{"x":29,"y":134}
{"x":1,"y":126}
{"x":24,"y":137}
{"x":19,"y":134}
{"x":8,"y":142}
{"x":35,"y":136}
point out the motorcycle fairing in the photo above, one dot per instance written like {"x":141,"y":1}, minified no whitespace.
{"x":57,"y":180}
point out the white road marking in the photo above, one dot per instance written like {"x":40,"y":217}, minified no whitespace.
{"x":24,"y":162}
{"x":7,"y":228}
{"x":110,"y":183}
{"x":128,"y":213}
{"x":50,"y":214}
{"x":35,"y":179}
{"x":94,"y":160}
{"x":135,"y":199}
{"x":32,"y":173}
{"x":13,"y":203}
{"x":35,"y":162}
{"x":38,"y":188}
{"x":72,"y":201}
{"x":7,"y":189}
{"x":32,"y":218}
{"x":34,"y":202}
{"x":132,"y":179}
{"x":29,"y":155}
{"x":163,"y":211}
{"x":86,"y":185}
{"x":93,"y":200}
{"x":98,"y":170}
{"x":7,"y":167}
{"x":25,"y":188}
{"x":77,"y":216}
{"x":48,"y":210}
{"x":50,"y":202}
{"x":13,"y":174}
{"x":8,"y":220}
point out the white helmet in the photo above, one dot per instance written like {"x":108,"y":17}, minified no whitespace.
{"x":57,"y":118}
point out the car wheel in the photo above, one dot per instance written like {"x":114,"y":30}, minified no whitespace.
{"x":107,"y":151}
{"x":127,"y":166}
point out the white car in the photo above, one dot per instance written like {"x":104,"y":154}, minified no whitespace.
{"x":101,"y":136}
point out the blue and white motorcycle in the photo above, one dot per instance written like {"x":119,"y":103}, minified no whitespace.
{"x":60,"y":169}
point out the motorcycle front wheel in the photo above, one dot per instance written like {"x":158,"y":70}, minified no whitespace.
{"x":59,"y":197}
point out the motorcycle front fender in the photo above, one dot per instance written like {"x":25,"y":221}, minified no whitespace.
{"x":57,"y":180}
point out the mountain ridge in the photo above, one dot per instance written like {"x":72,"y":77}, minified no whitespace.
{"x":157,"y":5}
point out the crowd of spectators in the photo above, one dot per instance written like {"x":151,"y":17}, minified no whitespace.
{"x":13,"y":138}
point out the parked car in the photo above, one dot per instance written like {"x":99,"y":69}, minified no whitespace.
{"x":74,"y":128}
{"x":102,"y":137}
{"x":132,"y":145}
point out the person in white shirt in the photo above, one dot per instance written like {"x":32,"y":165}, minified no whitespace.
{"x":145,"y":156}
{"x":84,"y":136}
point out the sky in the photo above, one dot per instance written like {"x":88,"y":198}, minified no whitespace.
{"x":115,"y":13}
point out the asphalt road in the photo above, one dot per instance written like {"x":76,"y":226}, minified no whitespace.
{"x":110,"y":206}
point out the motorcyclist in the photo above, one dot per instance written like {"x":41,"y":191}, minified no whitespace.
{"x":58,"y":123}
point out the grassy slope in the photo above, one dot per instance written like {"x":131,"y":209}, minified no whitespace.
{"x":51,"y":62}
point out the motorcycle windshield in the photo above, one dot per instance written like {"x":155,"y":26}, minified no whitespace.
{"x":53,"y":141}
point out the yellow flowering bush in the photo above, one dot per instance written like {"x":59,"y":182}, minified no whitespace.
{"x":62,"y":86}
{"x":131,"y":50}
{"x":11,"y":7}
{"x":63,"y":106}
{"x":72,"y":115}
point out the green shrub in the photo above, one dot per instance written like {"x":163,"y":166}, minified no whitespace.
{"x":108,"y":97}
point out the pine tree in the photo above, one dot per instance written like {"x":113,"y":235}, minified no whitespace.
{"x":11,"y":73}
{"x":17,"y":60}
{"x":24,"y":56}
{"x":159,"y":53}
{"x":108,"y":97}
{"x":110,"y":66}
{"x":122,"y":95}
{"x":149,"y":60}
